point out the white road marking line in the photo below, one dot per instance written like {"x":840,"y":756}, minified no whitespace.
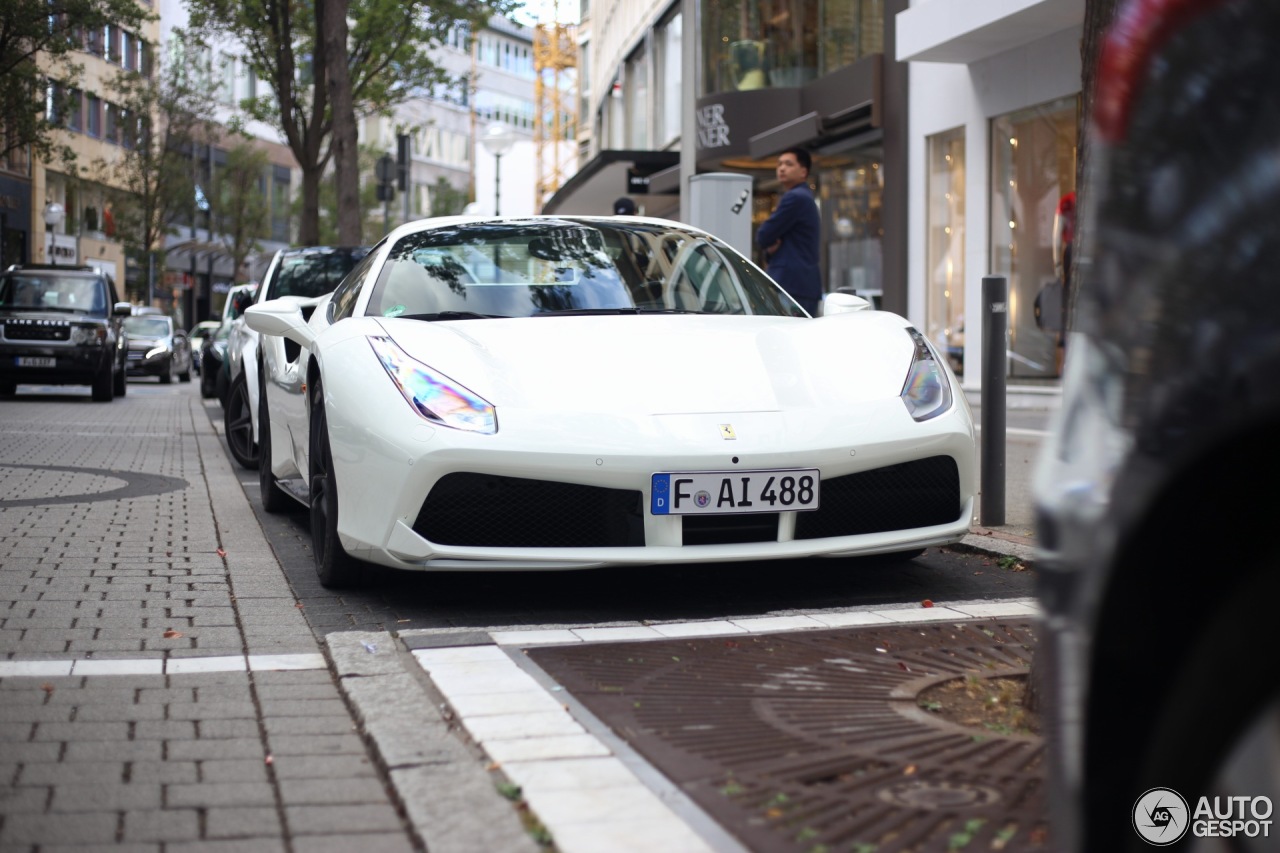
{"x":159,"y":666}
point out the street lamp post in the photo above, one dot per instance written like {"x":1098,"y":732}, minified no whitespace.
{"x":53,"y":215}
{"x":498,"y":140}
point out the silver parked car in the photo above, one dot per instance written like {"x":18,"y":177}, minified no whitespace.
{"x":157,"y":347}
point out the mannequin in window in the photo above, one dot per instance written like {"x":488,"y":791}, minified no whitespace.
{"x":1052,"y":301}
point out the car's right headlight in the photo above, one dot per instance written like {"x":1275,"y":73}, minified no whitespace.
{"x":927,"y":391}
{"x":433,"y":395}
{"x":81,"y":335}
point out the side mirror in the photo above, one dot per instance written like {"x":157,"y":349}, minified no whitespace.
{"x":122,"y":309}
{"x":843,"y":303}
{"x":282,"y":318}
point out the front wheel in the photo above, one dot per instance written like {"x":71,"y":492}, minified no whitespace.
{"x":238,"y":422}
{"x":120,"y":383}
{"x":103,"y":389}
{"x":334,"y":566}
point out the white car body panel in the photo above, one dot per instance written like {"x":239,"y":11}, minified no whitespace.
{"x":621,"y":415}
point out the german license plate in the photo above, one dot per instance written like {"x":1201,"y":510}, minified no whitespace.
{"x":728,"y":492}
{"x":36,"y":361}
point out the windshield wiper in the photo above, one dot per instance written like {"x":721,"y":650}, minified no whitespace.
{"x":597,"y":311}
{"x":452,"y":315}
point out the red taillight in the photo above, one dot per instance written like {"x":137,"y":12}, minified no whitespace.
{"x":1141,"y":27}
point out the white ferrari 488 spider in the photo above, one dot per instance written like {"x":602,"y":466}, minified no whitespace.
{"x":564,"y":393}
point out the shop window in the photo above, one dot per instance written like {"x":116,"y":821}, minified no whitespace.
{"x":669,"y":100}
{"x":637,"y":100}
{"x":1033,"y":170}
{"x":850,"y":193}
{"x":944,"y":250}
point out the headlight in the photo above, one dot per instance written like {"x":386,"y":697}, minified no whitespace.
{"x":155,"y":351}
{"x":433,"y":395}
{"x":81,"y":335}
{"x":927,"y":392}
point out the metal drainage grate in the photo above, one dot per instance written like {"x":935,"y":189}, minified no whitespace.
{"x":814,"y":740}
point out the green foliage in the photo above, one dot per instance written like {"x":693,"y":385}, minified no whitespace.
{"x":389,"y":59}
{"x":170,"y":113}
{"x":446,"y":199}
{"x":242,"y":211}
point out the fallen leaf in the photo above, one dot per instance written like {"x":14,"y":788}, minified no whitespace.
{"x":172,"y":634}
{"x":773,"y":812}
{"x":298,"y":605}
{"x":222,"y":552}
{"x":493,"y":765}
{"x":909,"y":770}
{"x":269,"y":759}
{"x":926,"y":603}
{"x":902,"y":666}
{"x":47,"y":687}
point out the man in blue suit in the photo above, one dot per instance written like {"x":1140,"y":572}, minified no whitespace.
{"x":792,"y":235}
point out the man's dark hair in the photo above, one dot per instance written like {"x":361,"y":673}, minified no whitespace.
{"x":801,"y":155}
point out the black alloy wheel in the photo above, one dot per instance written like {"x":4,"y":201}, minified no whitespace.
{"x":238,"y":423}
{"x":334,"y":566}
{"x":120,"y":381}
{"x":273,"y":499}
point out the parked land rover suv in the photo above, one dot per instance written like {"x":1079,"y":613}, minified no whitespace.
{"x":61,"y":325}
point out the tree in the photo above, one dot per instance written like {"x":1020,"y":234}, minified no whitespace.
{"x":37,"y":41}
{"x":346,"y":165}
{"x":388,"y":59}
{"x":241,"y":210}
{"x":163,"y":116}
{"x":446,"y":199}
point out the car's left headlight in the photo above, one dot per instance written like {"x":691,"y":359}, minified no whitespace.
{"x":155,"y":351}
{"x":927,"y":392}
{"x":433,"y":395}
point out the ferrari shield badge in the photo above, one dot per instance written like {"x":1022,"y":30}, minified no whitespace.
{"x":727,"y":433}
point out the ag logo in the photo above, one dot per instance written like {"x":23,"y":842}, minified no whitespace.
{"x":1161,"y":816}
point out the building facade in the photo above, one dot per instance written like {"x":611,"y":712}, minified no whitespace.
{"x":993,"y":115}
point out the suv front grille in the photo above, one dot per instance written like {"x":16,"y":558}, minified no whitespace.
{"x":36,"y":330}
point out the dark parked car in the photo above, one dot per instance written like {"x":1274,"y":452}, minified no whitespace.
{"x":157,"y":347}
{"x":1157,"y":568}
{"x":196,"y":336}
{"x":61,"y":325}
{"x":213,"y":364}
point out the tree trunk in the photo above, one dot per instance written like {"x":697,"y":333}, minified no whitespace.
{"x":309,"y":217}
{"x":345,"y":154}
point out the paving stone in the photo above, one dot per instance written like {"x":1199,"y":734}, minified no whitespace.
{"x":210,"y":794}
{"x":368,"y":843}
{"x":349,"y":744}
{"x":118,"y":797}
{"x":304,"y":725}
{"x":222,"y":729}
{"x":97,"y":828}
{"x":81,"y":731}
{"x":215,"y":748}
{"x":312,"y":820}
{"x":214,"y":710}
{"x":322,"y":767}
{"x":234,"y":770}
{"x":119,"y":712}
{"x":71,"y":772}
{"x":169,"y":825}
{"x":122,"y":750}
{"x":238,"y":845}
{"x":164,"y":730}
{"x":344,"y":790}
{"x":164,"y":772}
{"x":242,"y":822}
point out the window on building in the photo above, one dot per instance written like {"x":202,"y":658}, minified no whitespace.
{"x":93,"y":116}
{"x":669,"y":98}
{"x":1033,"y":170}
{"x":111,"y":43}
{"x":111,"y":122}
{"x":280,"y":203}
{"x":850,"y":194}
{"x":944,"y":250}
{"x":637,"y":99}
{"x":226,"y":79}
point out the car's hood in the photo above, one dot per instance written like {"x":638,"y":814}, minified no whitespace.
{"x":139,"y":342}
{"x":667,"y":364}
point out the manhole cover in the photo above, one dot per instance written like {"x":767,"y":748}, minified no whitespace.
{"x":812,"y":740}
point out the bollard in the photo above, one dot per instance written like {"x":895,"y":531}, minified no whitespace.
{"x":995,"y":368}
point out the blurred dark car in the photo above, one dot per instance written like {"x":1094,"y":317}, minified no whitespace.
{"x":213,"y":367}
{"x":1157,"y":571}
{"x":196,"y":336}
{"x":61,"y":325}
{"x":157,"y":347}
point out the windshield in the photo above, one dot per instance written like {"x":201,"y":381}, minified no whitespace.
{"x":556,"y":266}
{"x":315,"y":273}
{"x":52,"y":292}
{"x":147,"y":327}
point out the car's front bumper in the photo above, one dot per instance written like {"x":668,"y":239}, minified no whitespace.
{"x":387,"y":460}
{"x":139,"y":364}
{"x":73,"y":365}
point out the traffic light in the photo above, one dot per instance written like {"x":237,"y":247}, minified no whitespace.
{"x":386,"y":173}
{"x":402,"y":161}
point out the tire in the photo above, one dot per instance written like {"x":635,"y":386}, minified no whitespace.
{"x":166,"y":378}
{"x":220,"y":387}
{"x":206,"y":386}
{"x":104,"y":384}
{"x":120,"y":382}
{"x":8,"y":389}
{"x":185,"y":377}
{"x":335,"y":568}
{"x":273,"y":500}
{"x":238,"y":423}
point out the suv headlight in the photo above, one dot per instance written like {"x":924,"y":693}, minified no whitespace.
{"x":927,"y":391}
{"x":82,"y":335}
{"x":433,"y":395}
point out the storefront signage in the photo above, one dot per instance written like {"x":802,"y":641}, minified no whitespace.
{"x":637,"y":184}
{"x":60,"y":248}
{"x":713,"y":131}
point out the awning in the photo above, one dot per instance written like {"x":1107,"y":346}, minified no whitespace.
{"x":962,"y":33}
{"x":613,"y":174}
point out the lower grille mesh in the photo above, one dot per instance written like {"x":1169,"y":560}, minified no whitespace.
{"x":484,"y":510}
{"x":899,"y":497}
